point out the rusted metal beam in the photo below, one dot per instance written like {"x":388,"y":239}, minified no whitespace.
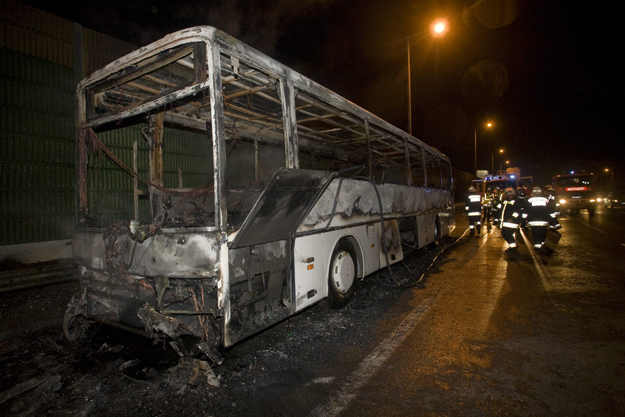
{"x":156,"y":127}
{"x":218,"y":136}
{"x":425,"y":167}
{"x":408,"y":168}
{"x":289,"y":124}
{"x":369,"y":152}
{"x":245,"y":92}
{"x":154,"y":63}
{"x":135,"y":180}
{"x":83,"y":201}
{"x":200,"y":65}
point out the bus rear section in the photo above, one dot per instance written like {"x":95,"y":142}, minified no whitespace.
{"x":576,"y":192}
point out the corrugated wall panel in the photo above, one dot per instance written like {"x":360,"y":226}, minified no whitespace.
{"x":110,"y":196}
{"x":192,"y":153}
{"x":100,"y":50}
{"x":36,"y":150}
{"x":111,"y":189}
{"x":36,"y":33}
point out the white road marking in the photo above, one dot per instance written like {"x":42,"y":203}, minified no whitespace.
{"x":370,"y":365}
{"x":540,"y":268}
{"x":593,"y":227}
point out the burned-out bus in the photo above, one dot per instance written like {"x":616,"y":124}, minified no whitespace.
{"x":220,"y":192}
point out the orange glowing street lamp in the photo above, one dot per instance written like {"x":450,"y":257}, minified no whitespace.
{"x":438,"y":29}
{"x":488,"y":125}
{"x":611,"y":171}
{"x":492,"y":157}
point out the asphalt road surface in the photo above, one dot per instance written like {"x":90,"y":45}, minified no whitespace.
{"x":480,"y":334}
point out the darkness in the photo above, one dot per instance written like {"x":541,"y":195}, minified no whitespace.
{"x":543,"y":72}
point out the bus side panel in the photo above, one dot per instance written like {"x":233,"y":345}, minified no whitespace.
{"x":259,"y":287}
{"x":426,"y":229}
{"x":309,"y":271}
{"x":447,"y":221}
{"x":311,"y":278}
{"x":392,"y":238}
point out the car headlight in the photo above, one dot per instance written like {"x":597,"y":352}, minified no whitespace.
{"x":592,"y":200}
{"x":599,"y":200}
{"x":563,"y":201}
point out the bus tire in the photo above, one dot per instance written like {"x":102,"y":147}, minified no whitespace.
{"x":342,"y":274}
{"x":75,"y":324}
{"x":437,"y":235}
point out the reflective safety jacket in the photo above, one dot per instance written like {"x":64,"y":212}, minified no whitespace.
{"x":487,"y":200}
{"x":553,"y":200}
{"x":540,"y":211}
{"x":473,"y":205}
{"x":511,"y":213}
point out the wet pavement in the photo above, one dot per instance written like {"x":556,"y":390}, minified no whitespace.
{"x":524,"y":335}
{"x":481,"y":334}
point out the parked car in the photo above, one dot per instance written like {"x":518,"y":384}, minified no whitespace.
{"x":616,"y":199}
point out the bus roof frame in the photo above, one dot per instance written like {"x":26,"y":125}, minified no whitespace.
{"x":159,"y":52}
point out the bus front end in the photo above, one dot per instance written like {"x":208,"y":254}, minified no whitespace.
{"x":158,"y":282}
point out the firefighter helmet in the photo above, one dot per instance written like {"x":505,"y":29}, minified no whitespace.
{"x":509,"y":191}
{"x":537,"y":191}
{"x":472,"y":189}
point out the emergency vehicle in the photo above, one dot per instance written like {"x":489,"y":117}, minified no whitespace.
{"x":511,"y":177}
{"x":576,"y":191}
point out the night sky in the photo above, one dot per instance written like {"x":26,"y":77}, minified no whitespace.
{"x":544,"y":72}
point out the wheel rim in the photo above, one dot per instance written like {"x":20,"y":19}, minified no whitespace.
{"x":75,"y":323}
{"x":74,"y":326}
{"x":343,"y":271}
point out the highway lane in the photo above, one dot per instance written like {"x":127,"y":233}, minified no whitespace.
{"x":529,"y":335}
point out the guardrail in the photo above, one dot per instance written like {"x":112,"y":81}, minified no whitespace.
{"x":49,"y":273}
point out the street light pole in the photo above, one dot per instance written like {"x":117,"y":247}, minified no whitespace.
{"x":612,"y":172}
{"x":475,"y":147}
{"x":409,"y":88}
{"x":438,"y":29}
{"x":489,"y":125}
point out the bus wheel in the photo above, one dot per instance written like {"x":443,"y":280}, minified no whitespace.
{"x":75,"y":324}
{"x":342,"y":275}
{"x":437,"y":235}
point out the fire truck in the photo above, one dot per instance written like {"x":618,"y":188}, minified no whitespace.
{"x":511,"y":177}
{"x":576,"y":191}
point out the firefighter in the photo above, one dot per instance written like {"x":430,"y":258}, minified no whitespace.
{"x":510,"y":218}
{"x":497,"y":205}
{"x":540,"y":213}
{"x":487,"y":205}
{"x":473,"y":208}
{"x":555,"y":208}
{"x":520,"y":192}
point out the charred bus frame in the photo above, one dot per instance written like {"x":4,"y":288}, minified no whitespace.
{"x":224,"y":260}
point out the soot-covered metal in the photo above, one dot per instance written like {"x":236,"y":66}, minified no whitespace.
{"x":255,"y":240}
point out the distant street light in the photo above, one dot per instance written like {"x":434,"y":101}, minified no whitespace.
{"x":492,"y":158}
{"x":488,"y":125}
{"x":438,"y":29}
{"x":612,"y":172}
